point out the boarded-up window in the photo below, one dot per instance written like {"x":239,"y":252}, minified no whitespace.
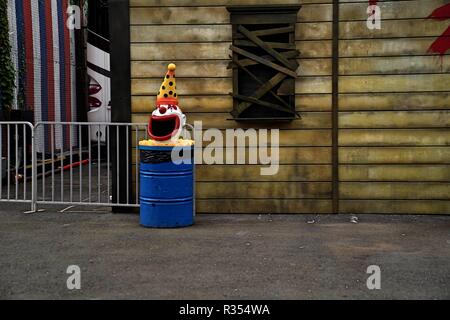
{"x":264,"y":62}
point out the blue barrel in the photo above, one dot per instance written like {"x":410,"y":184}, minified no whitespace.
{"x":166,"y":187}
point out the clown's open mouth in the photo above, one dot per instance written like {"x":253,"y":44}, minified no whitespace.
{"x":162,"y":128}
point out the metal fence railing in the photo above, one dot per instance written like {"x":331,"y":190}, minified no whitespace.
{"x":16,"y":161}
{"x":70,"y":163}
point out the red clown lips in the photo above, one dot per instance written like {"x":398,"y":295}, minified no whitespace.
{"x":161,"y":128}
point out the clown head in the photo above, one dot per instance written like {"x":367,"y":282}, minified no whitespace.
{"x":167,"y":121}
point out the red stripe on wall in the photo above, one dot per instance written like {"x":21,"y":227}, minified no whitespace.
{"x":68,"y":80}
{"x":29,"y":56}
{"x":50,"y":69}
{"x":441,"y":13}
{"x":50,"y":62}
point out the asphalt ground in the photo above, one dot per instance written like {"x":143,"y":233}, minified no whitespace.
{"x":222,"y":256}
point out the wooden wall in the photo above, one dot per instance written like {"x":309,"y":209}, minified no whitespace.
{"x":393,"y":103}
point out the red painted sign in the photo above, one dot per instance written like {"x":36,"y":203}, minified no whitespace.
{"x":442,"y":43}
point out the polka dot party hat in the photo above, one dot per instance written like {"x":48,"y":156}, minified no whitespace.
{"x":167,"y":94}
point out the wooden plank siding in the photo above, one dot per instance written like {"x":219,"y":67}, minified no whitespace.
{"x":394,"y":105}
{"x":196,"y":35}
{"x":394,"y":101}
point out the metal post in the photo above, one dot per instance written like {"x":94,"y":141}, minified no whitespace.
{"x":24,"y":162}
{"x":1,"y":161}
{"x":9,"y":161}
{"x":52,"y":133}
{"x":71,"y":161}
{"x":33,"y":173}
{"x":136,"y":166}
{"x":127,"y":128}
{"x":98,"y":163}
{"x":108,"y":188}
{"x":80,"y":158}
{"x":16,"y":153}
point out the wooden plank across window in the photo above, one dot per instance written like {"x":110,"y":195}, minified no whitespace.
{"x":263,"y":62}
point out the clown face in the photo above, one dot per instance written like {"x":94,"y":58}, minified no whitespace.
{"x":166,"y":123}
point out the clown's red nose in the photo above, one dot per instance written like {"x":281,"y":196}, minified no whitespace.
{"x":162,"y":110}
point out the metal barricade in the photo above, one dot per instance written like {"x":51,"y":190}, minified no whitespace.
{"x":70,"y":163}
{"x":16,"y":165}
